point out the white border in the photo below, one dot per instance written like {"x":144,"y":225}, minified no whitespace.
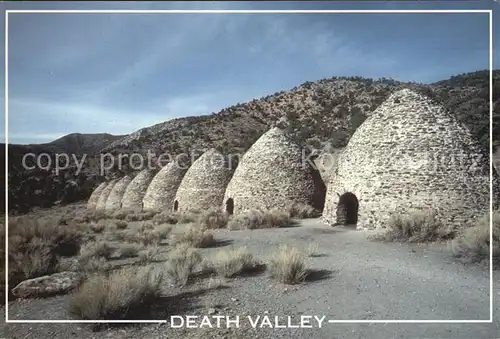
{"x":111,"y":11}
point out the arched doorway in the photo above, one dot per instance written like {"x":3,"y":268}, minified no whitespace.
{"x":230,"y":206}
{"x":176,"y":206}
{"x":347,"y":209}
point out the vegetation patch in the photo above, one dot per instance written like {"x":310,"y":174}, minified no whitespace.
{"x":287,"y":265}
{"x":213,"y":219}
{"x":416,"y":227}
{"x":235,"y":261}
{"x":303,"y":211}
{"x":121,"y":294}
{"x":197,"y":236}
{"x":473,"y":243}
{"x":182,"y":261}
{"x":256,"y":219}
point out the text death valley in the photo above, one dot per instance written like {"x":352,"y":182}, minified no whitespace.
{"x":265,"y":321}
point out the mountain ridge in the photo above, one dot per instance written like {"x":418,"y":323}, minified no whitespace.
{"x":322,"y":115}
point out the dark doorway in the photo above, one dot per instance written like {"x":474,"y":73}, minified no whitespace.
{"x":230,"y":206}
{"x":347,"y":209}
{"x":176,"y":206}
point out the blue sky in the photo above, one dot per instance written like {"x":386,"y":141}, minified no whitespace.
{"x":116,"y":73}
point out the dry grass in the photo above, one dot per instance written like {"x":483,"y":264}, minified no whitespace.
{"x":122,"y":294}
{"x":148,"y":254}
{"x":148,"y":235}
{"x":213,"y":219}
{"x":100,"y":249}
{"x":233,"y":262}
{"x":473,"y":243}
{"x":197,"y":236}
{"x":303,"y":211}
{"x":287,"y":265}
{"x":89,"y":265}
{"x":122,"y":214}
{"x":128,"y":250}
{"x":256,"y":219}
{"x":187,"y":217}
{"x":312,"y":250}
{"x":181,"y":263}
{"x":165,"y":218}
{"x":416,"y":227}
{"x":95,"y":215}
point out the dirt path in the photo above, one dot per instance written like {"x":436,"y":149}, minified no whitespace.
{"x":355,"y":278}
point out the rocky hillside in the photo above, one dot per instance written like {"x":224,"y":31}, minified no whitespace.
{"x":322,"y":114}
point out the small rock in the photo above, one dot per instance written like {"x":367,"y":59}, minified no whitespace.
{"x":234,"y":299}
{"x":57,"y":283}
{"x":212,"y":310}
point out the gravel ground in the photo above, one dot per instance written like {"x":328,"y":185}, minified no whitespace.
{"x":354,"y":278}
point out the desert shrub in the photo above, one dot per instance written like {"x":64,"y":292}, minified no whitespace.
{"x":146,"y":226}
{"x":287,"y":265}
{"x":141,"y":216}
{"x":90,"y":265}
{"x":35,"y":246}
{"x":128,"y":250}
{"x":118,"y":236}
{"x":100,"y":249}
{"x":197,"y":236}
{"x":256,"y":219}
{"x":235,"y":261}
{"x":121,"y":294}
{"x":155,"y":236}
{"x":96,"y":215}
{"x":121,"y":225}
{"x":187,"y":217}
{"x":182,"y":261}
{"x":418,"y":226}
{"x":473,"y":243}
{"x":122,"y":214}
{"x":149,"y":253}
{"x":65,"y":240}
{"x":165,"y":218}
{"x":39,"y":259}
{"x":303,"y":211}
{"x":213,"y":219}
{"x":97,"y":228}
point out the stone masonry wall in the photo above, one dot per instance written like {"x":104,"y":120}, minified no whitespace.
{"x":94,"y":197}
{"x":274,"y":173}
{"x":132,"y":198}
{"x":411,"y":155}
{"x":160,"y":194}
{"x":114,"y":201}
{"x":101,"y":202}
{"x":205,"y":182}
